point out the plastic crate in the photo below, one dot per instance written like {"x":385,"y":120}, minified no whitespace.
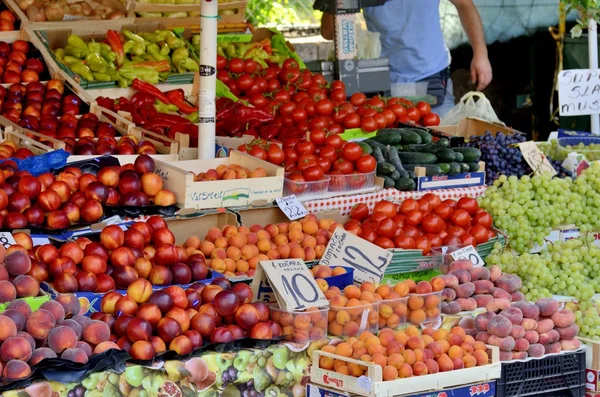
{"x":564,"y":373}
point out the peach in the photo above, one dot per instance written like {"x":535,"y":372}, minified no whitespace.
{"x":505,"y":344}
{"x":409,"y":357}
{"x":495,"y":273}
{"x":563,"y":318}
{"x":448,"y":294}
{"x":570,"y":344}
{"x":506,"y":356}
{"x":499,"y":326}
{"x":96,"y":332}
{"x":451,"y":307}
{"x":530,"y":310}
{"x":463,"y":276}
{"x":517,"y":296}
{"x":41,"y":353}
{"x":497,"y":305}
{"x":480,"y":273}
{"x":62,"y":338}
{"x":26,"y":286}
{"x":482,"y":336}
{"x":465,"y":290}
{"x":483,"y":286}
{"x":567,"y":333}
{"x":529,"y":324}
{"x":551,"y":348}
{"x":17,"y":263}
{"x":57,"y":310}
{"x":182,"y":345}
{"x":420,"y":368}
{"x":76,"y":355}
{"x":532,"y":337}
{"x":499,"y":293}
{"x":406,"y":371}
{"x":39,"y":324}
{"x":549,"y":337}
{"x":509,"y":282}
{"x":450,"y":280}
{"x":16,"y":369}
{"x":423,"y":287}
{"x":522,"y":344}
{"x":432,"y":366}
{"x":545,"y":326}
{"x":467,"y":304}
{"x":483,"y":300}
{"x":514,"y":314}
{"x":535,"y":350}
{"x":482,"y":320}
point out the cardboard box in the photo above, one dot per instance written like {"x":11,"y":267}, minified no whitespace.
{"x":179,"y":178}
{"x":272,"y":215}
{"x":183,"y":226}
{"x":473,"y":126}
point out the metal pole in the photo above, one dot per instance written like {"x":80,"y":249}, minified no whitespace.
{"x":593,"y":55}
{"x":209,"y":14}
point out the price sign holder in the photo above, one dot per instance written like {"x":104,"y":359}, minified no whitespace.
{"x":294,"y":287}
{"x":291,"y":207}
{"x":536,"y":159}
{"x":368,"y":260}
{"x":7,"y":239}
{"x":468,"y":253}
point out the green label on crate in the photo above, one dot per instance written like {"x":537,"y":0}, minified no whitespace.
{"x":423,"y":275}
{"x":234,"y":38}
{"x":354,"y":134}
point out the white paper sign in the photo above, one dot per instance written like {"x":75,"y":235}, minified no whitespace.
{"x":368,"y":260}
{"x":468,"y":253}
{"x":579,"y":92}
{"x":291,"y":207}
{"x":535,"y":158}
{"x":6,"y":239}
{"x":294,"y":286}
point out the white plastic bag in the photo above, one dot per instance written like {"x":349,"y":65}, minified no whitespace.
{"x":468,"y":107}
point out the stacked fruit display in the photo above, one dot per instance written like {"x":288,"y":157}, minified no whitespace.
{"x":237,"y":250}
{"x":9,"y":149}
{"x":407,"y":353}
{"x":16,"y":280}
{"x":422,"y":224}
{"x":17,"y":63}
{"x":7,"y":21}
{"x":146,"y":323}
{"x":227,"y":172}
{"x":468,"y":288}
{"x":53,"y":330}
{"x":528,"y":329}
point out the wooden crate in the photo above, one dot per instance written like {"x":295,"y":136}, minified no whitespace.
{"x":238,"y":17}
{"x":372,"y":384}
{"x":179,"y":178}
{"x":27,"y":139}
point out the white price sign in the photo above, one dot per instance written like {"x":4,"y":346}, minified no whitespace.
{"x":535,"y":158}
{"x":294,"y":286}
{"x":6,"y":239}
{"x":368,"y":260}
{"x":468,"y":253}
{"x":579,"y":92}
{"x":291,"y":207}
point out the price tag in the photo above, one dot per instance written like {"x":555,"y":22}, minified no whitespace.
{"x":535,"y":158}
{"x":579,"y":92}
{"x":294,"y":286}
{"x":291,"y":207}
{"x":368,"y":260}
{"x":364,"y":382}
{"x":468,"y":253}
{"x":6,"y":239}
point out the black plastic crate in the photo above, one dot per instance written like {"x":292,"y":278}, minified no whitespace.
{"x":559,"y":375}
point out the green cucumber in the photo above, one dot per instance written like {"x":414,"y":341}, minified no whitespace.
{"x":378,"y":154}
{"x":394,"y":159}
{"x":430,"y":169}
{"x":458,"y":156}
{"x":406,"y":184}
{"x":417,"y":158}
{"x":454,"y":168}
{"x":425,"y":148}
{"x":395,"y":175}
{"x":446,"y":155}
{"x":374,"y":144}
{"x":411,"y":174}
{"x":366,"y":147}
{"x":464,"y":167}
{"x":385,"y":169}
{"x":473,"y":167}
{"x":388,"y":136}
{"x":470,"y":154}
{"x":410,"y":137}
{"x":425,"y":136}
{"x":443,"y":142}
{"x":388,"y":182}
{"x":445,"y":167}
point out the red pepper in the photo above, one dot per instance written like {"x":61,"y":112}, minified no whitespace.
{"x":116,"y":44}
{"x":171,"y":118}
{"x":141,"y":98}
{"x":107,"y":103}
{"x":150,"y":89}
{"x":177,"y":98}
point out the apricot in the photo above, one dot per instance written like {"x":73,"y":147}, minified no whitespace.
{"x":481,"y":357}
{"x":352,"y":292}
{"x":445,"y":363}
{"x":406,"y":371}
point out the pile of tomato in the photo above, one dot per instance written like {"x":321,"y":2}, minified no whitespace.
{"x":302,"y":101}
{"x":422,"y":224}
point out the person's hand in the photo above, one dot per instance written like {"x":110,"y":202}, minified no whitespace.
{"x":481,"y":71}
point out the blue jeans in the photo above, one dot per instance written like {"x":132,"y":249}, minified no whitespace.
{"x":448,"y":104}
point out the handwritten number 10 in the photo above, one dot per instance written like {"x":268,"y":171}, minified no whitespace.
{"x":293,"y":289}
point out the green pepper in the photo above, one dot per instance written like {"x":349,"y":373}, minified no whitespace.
{"x":162,"y":107}
{"x":178,"y":57}
{"x":94,"y":48}
{"x":129,"y":35}
{"x":230,"y":51}
{"x":164,"y":48}
{"x":220,"y":51}
{"x":130,"y":72}
{"x":155,"y":52}
{"x":136,"y":59}
{"x":127,"y":46}
{"x":69,"y":60}
{"x":175,"y":42}
{"x":59,"y":53}
{"x":193,"y":118}
{"x":102,"y":77}
{"x":151,"y":37}
{"x":82,"y":70}
{"x":138,"y":48}
{"x":164,"y":34}
{"x":77,"y":42}
{"x":196,"y":39}
{"x":75,"y":52}
{"x":96,"y":63}
{"x":148,"y":57}
{"x":189,"y":65}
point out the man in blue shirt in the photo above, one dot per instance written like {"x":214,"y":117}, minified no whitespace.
{"x":411,"y":37}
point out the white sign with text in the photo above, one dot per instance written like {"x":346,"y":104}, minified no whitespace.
{"x":579,"y":92}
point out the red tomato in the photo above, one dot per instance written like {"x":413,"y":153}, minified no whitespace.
{"x":405,"y":242}
{"x":434,"y":239}
{"x":443,"y":211}
{"x":358,"y":99}
{"x":408,"y":205}
{"x":297,"y":185}
{"x":456,"y":230}
{"x":357,"y":181}
{"x":398,"y":221}
{"x":343,"y":166}
{"x":432,"y":224}
{"x":289,"y":75}
{"x":451,"y":240}
{"x":468,"y":204}
{"x":460,"y":218}
{"x":386,"y":228}
{"x":258,"y":101}
{"x":480,"y":233}
{"x":376,"y":102}
{"x":424,"y":108}
{"x":328,"y":152}
{"x":337,"y":95}
{"x":424,"y":205}
{"x":352,"y":151}
{"x":366,"y":164}
{"x":410,"y":230}
{"x":467,"y":239}
{"x":368,"y":124}
{"x":399,"y":110}
{"x":319,"y":80}
{"x":378,"y":216}
{"x":450,"y":203}
{"x":317,"y":136}
{"x":387,"y":207}
{"x":352,"y":120}
{"x":275,"y":154}
{"x":384,"y":242}
{"x":431,"y":120}
{"x":484,"y":219}
{"x":221,"y":62}
{"x":380,"y":120}
{"x":335,"y":128}
{"x":236,"y":65}
{"x":413,"y":114}
{"x":334,"y":140}
{"x":433,"y":199}
{"x":390,"y":117}
{"x":291,"y":156}
{"x":339,"y":115}
{"x":338,"y":85}
{"x":423,"y":244}
{"x":290,"y":63}
{"x":368,"y":234}
{"x":370,"y":224}
{"x":306,"y":160}
{"x":324,"y":107}
{"x":313,"y":173}
{"x":359,"y":211}
{"x":258,"y":152}
{"x":354,"y":229}
{"x":306,"y":147}
{"x":298,"y":115}
{"x":414,"y":218}
{"x":324,"y":164}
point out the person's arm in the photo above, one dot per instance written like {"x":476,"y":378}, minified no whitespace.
{"x":327,"y":26}
{"x":481,"y":70}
